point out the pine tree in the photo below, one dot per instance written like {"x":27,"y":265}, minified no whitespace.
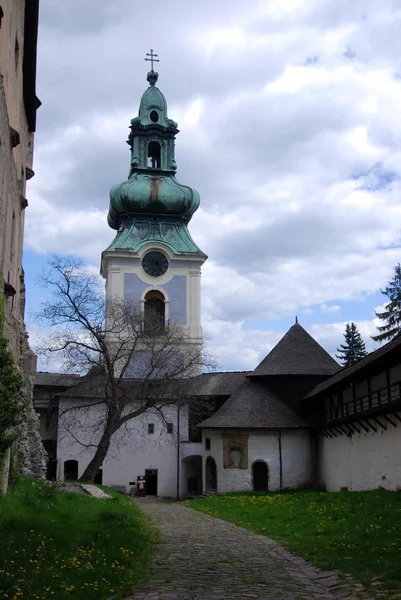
{"x":354,"y":347}
{"x":392,"y":310}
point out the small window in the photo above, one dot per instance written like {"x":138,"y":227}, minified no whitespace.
{"x":151,"y":427}
{"x":170,"y":427}
{"x":154,"y":116}
{"x":207,"y":444}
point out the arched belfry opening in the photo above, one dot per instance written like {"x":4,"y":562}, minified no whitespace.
{"x":154,"y":155}
{"x":154,"y":312}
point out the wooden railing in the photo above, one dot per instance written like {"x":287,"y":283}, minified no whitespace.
{"x":388,"y":397}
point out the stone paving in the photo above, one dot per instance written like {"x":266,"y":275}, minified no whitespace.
{"x":204,"y":558}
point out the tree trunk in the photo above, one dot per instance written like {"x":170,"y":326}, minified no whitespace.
{"x":101,"y":451}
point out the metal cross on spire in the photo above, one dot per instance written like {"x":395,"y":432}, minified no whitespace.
{"x":152,"y":58}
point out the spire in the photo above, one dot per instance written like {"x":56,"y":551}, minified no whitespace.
{"x":296,"y":320}
{"x":152,"y":75}
{"x":151,"y":205}
{"x":153,"y":58}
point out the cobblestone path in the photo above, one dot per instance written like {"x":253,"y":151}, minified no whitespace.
{"x":203,"y":558}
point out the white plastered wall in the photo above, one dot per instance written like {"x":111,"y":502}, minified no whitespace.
{"x":363,"y":461}
{"x":132,"y":450}
{"x":263,"y":445}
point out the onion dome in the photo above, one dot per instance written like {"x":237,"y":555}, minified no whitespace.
{"x":152,"y":195}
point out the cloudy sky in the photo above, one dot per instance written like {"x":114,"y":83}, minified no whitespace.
{"x":290,"y":128}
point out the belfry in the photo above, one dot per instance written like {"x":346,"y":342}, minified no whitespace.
{"x":153,"y":260}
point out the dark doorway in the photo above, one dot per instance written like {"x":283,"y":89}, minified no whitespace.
{"x":211,"y":475}
{"x":99,"y":477}
{"x":71,"y":470}
{"x":51,"y":467}
{"x":151,"y":482}
{"x":260,"y":474}
{"x":51,"y":470}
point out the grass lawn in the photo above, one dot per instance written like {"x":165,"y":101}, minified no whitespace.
{"x":355,"y":532}
{"x":61,"y":545}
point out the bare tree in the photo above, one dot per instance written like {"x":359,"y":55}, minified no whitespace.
{"x":134,"y":365}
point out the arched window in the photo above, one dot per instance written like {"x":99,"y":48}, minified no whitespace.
{"x":71,"y":470}
{"x":155,"y":312}
{"x":154,"y":153}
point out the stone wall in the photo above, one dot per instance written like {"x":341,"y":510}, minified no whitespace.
{"x":16,"y":156}
{"x":32,"y":457}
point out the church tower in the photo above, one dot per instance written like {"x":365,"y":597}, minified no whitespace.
{"x":153,"y":262}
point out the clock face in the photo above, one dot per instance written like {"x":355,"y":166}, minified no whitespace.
{"x":155,"y":264}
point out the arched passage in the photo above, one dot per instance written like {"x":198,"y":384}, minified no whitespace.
{"x":260,"y":476}
{"x":192,"y":475}
{"x":211,"y":475}
{"x":155,"y":311}
{"x":71,"y":470}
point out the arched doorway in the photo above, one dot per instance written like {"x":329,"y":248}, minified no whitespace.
{"x":260,"y":475}
{"x":71,"y":470}
{"x":211,"y":475}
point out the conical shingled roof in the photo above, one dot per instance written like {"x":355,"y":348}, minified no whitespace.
{"x":253,"y":406}
{"x":297,"y":353}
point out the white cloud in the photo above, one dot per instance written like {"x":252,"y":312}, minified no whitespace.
{"x":329,"y":309}
{"x":297,"y":160}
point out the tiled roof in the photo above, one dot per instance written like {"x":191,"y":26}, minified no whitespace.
{"x":253,"y":406}
{"x":216,"y":384}
{"x":297,"y":353}
{"x":206,"y":384}
{"x":358,"y":367}
{"x":56,"y":379}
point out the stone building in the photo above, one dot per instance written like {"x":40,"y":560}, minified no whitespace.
{"x":18,"y":105}
{"x":298,"y":420}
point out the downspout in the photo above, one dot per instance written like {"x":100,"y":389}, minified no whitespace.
{"x":178,"y":452}
{"x":281,"y":460}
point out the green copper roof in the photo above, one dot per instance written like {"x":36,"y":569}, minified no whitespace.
{"x":152,"y":193}
{"x":145,"y":193}
{"x":137,"y":232}
{"x":153,"y":100}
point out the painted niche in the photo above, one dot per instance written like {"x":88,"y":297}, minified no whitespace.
{"x":235,"y":451}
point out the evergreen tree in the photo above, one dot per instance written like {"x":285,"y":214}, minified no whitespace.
{"x":354,"y":347}
{"x":392,"y":310}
